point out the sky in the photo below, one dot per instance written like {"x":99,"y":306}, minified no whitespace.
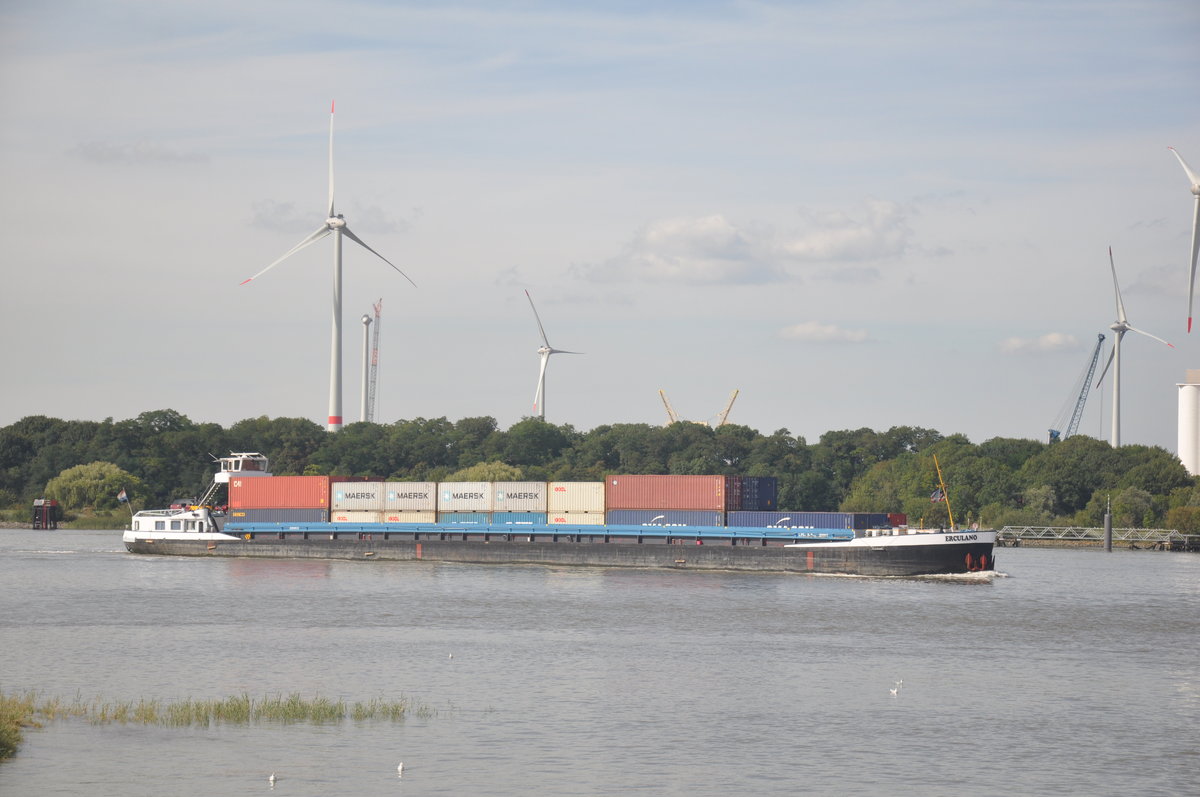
{"x":856,"y":214}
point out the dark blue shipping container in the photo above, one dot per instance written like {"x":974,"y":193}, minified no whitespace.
{"x":793,"y":520}
{"x":812,"y":520}
{"x":759,"y":493}
{"x":664,"y":517}
{"x":277,"y":516}
{"x":518,"y":518}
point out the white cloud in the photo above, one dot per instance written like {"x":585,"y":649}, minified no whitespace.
{"x":880,"y":230}
{"x":707,"y":250}
{"x":1050,"y":342}
{"x":140,"y":152}
{"x":713,"y":250}
{"x":816,"y":332}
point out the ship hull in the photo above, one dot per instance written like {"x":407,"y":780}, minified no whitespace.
{"x":906,"y":556}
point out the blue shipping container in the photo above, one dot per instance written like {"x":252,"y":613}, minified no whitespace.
{"x":465,"y":518}
{"x":759,"y":493}
{"x":664,"y":517}
{"x":793,"y":520}
{"x":518,"y":518}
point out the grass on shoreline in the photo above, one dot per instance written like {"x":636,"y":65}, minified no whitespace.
{"x":31,"y":710}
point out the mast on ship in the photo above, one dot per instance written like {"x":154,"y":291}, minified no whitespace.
{"x":945,"y":496}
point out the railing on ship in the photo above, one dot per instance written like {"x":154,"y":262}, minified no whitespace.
{"x":1013,"y":536}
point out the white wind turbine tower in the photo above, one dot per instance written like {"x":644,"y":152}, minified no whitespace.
{"x":1119,"y":328}
{"x":336,"y":224}
{"x":1195,"y":180}
{"x":539,"y":398}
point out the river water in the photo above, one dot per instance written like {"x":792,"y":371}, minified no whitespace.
{"x":1073,"y":672}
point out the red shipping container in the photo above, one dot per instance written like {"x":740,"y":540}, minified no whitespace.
{"x":664,"y":492}
{"x":279,"y":492}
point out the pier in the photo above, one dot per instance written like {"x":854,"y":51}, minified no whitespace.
{"x":1070,"y":536}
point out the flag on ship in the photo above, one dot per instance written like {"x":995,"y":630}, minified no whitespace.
{"x":937,"y":495}
{"x":122,"y":497}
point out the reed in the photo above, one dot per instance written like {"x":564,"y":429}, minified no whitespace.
{"x":30,"y":709}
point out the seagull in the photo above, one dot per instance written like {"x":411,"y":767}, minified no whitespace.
{"x":450,"y":656}
{"x":400,"y":770}
{"x":271,"y":780}
{"x":895,"y":691}
{"x":900,"y":683}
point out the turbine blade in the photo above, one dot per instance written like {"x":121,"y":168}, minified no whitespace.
{"x":1195,"y":251}
{"x":362,"y":243}
{"x":1195,"y":178}
{"x":1147,"y":334}
{"x":1116,"y":288}
{"x":563,"y":351}
{"x":1112,"y":353}
{"x":316,"y":236}
{"x":539,"y":320}
{"x":331,"y":104}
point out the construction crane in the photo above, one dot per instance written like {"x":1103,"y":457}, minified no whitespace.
{"x":722,"y":416}
{"x":1082,"y":391}
{"x":672,"y":416}
{"x":378,"y":306}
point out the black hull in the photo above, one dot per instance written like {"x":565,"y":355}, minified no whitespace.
{"x":938,"y":558}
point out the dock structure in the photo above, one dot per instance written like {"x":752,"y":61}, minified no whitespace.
{"x":1065,"y":536}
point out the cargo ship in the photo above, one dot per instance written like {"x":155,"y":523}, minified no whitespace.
{"x":677,"y":522}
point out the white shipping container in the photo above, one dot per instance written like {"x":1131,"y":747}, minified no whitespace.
{"x":355,"y":516}
{"x":356,"y":495}
{"x":575,"y":497}
{"x":576,"y":518}
{"x":409,"y":516}
{"x":410,"y":497}
{"x":464,"y":497}
{"x":518,"y":496}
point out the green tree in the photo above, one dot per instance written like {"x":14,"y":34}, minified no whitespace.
{"x":495,"y":471}
{"x":95,"y":484}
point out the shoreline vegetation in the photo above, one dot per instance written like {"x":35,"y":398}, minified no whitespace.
{"x":23,"y":710}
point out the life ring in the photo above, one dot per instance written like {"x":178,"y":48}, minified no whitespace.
{"x":970,"y":563}
{"x":983,"y":562}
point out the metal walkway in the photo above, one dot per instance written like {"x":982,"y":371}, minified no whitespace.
{"x":1163,"y":539}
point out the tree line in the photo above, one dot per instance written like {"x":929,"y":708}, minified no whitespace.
{"x":162,"y":455}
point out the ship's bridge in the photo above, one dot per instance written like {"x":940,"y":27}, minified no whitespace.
{"x":242,"y":465}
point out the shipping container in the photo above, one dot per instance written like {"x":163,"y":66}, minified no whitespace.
{"x":279,"y":492}
{"x":759,"y":493}
{"x":518,"y":518}
{"x":664,"y":492}
{"x":410,"y":496}
{"x":575,"y":497}
{"x":733,"y":493}
{"x":519,"y":497}
{"x":897,"y":519}
{"x":355,"y":516}
{"x":464,"y":497}
{"x":465,"y":518}
{"x":664,"y":517}
{"x":810,"y":520}
{"x":409,"y":516}
{"x":576,"y":518}
{"x":278,"y":515}
{"x":367,"y":496}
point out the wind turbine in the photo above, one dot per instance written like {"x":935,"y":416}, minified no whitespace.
{"x":334,"y":223}
{"x":539,"y":398}
{"x":1195,"y":231}
{"x":1119,"y":327}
